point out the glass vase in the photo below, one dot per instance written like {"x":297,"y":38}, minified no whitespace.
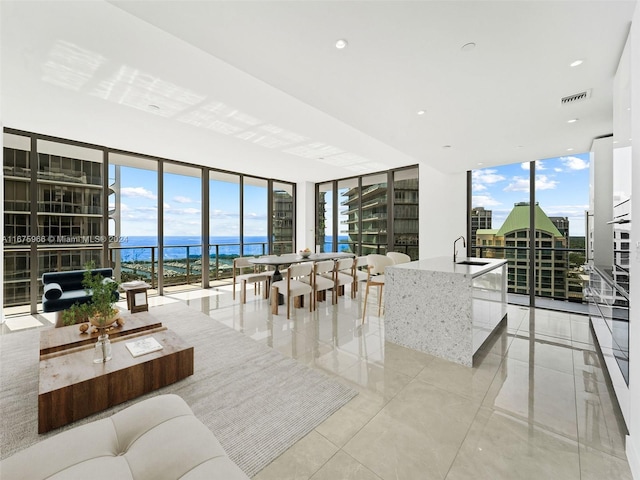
{"x":102,"y":350}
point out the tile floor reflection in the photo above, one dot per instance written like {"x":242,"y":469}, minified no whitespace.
{"x":535,"y":405}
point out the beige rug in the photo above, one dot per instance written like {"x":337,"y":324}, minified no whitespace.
{"x":254,"y":399}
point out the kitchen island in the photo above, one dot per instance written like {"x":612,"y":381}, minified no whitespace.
{"x":444,"y":308}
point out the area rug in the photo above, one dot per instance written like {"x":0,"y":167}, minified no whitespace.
{"x":256,"y":401}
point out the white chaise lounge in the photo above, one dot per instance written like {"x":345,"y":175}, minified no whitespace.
{"x":155,"y":439}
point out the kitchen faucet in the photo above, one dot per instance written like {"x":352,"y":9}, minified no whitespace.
{"x":455,"y":252}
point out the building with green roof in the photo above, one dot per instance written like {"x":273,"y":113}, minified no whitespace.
{"x":511,"y":241}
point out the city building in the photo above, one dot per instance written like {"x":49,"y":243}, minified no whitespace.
{"x":54,"y":207}
{"x":511,"y":241}
{"x":480,"y":219}
{"x":283,"y":222}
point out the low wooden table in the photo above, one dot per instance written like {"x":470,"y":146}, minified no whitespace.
{"x":72,"y":387}
{"x":65,"y":338}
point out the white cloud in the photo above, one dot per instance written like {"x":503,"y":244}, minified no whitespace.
{"x":484,"y":201}
{"x":521,"y":184}
{"x":181,"y":199}
{"x":481,"y":178}
{"x":190,"y":211}
{"x":574,"y":163}
{"x":545,"y":183}
{"x":557,"y":169}
{"x":518,"y":184}
{"x":139,"y":192}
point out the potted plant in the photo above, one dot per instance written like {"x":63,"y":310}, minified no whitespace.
{"x":99,"y":311}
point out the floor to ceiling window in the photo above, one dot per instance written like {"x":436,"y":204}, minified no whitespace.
{"x":282,"y":218}
{"x":348,"y":216}
{"x":133,"y":217}
{"x":224,"y":222}
{"x":503,"y":204}
{"x":67,"y":203}
{"x":324,"y":217}
{"x":182,"y":215}
{"x":255,"y":216}
{"x":405,"y":212}
{"x":365,"y":217}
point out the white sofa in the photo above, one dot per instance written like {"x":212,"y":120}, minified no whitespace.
{"x":155,"y":439}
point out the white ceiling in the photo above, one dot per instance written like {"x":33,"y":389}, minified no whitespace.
{"x":248,"y":85}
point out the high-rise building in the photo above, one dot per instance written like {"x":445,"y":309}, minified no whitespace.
{"x":512,"y":239}
{"x":480,"y":220}
{"x":562,"y":224}
{"x":53,"y":212}
{"x":282,"y":222}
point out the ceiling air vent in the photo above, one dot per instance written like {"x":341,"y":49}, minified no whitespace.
{"x":576,"y":97}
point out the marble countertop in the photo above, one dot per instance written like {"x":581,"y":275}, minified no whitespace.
{"x":446,"y":265}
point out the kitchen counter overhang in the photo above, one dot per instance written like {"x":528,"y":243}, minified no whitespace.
{"x":444,"y":308}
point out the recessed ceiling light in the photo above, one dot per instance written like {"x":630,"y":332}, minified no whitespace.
{"x":520,"y":146}
{"x":342,"y":43}
{"x":446,"y":146}
{"x":154,"y":107}
{"x":480,"y":163}
{"x":576,"y":63}
{"x":573,"y":120}
{"x":569,"y":149}
{"x":467,"y":47}
{"x":421,"y":112}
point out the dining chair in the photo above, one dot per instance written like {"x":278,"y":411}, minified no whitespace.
{"x":323,"y":279}
{"x":375,"y":278}
{"x":399,"y":257}
{"x":241,"y":264}
{"x":344,"y":276}
{"x":359,"y":273}
{"x":297,"y":281}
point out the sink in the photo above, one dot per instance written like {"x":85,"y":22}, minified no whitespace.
{"x":472,"y":262}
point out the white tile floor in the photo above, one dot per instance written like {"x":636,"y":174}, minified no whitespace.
{"x":535,"y":406}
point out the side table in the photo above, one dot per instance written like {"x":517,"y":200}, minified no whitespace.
{"x":136,"y":296}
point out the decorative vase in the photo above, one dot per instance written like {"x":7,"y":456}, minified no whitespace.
{"x":97,"y":322}
{"x":102,"y":350}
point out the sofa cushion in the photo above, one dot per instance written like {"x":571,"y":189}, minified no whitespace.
{"x":156,"y":439}
{"x":52,"y":291}
{"x":70,"y":283}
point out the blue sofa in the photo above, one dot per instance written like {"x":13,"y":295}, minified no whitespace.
{"x":63,"y":289}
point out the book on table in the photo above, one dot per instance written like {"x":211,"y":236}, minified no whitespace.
{"x":143,"y":346}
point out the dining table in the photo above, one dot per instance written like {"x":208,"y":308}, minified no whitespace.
{"x":288,"y":258}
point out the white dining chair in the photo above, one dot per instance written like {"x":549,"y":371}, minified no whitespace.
{"x":323,"y":279}
{"x":359,"y":272}
{"x":399,"y":257}
{"x":297,"y":281}
{"x":375,"y":278}
{"x":344,"y":276}
{"x":240,"y":265}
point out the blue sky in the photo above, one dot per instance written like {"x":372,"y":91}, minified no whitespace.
{"x":562,"y":189}
{"x":182,"y":206}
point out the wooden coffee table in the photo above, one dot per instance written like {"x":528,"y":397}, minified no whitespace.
{"x":65,"y":338}
{"x":72,"y":387}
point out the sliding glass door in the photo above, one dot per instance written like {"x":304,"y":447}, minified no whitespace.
{"x":546,"y":261}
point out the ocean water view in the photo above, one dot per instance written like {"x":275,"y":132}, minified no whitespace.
{"x":138,"y":248}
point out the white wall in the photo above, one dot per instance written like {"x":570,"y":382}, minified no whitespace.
{"x":633,"y":440}
{"x":443,"y":211}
